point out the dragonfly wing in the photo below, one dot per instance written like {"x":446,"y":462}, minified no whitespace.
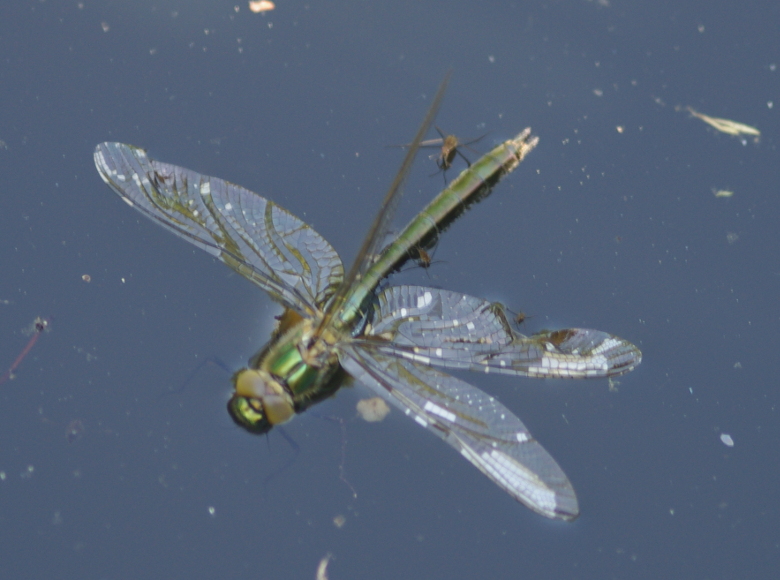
{"x":431,"y":317}
{"x":483,"y":430}
{"x":453,"y":330}
{"x":255,"y":237}
{"x":571,"y":353}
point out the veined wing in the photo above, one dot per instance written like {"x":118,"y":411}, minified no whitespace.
{"x":255,"y":237}
{"x":485,"y":432}
{"x":453,"y":330}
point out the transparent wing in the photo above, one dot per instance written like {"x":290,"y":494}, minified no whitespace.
{"x":483,"y":430}
{"x":453,"y":330}
{"x":255,"y":237}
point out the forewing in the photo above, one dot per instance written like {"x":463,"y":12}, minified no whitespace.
{"x":453,"y":330}
{"x":485,"y":432}
{"x":255,"y":237}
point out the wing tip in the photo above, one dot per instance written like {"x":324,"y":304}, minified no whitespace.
{"x":568,"y":512}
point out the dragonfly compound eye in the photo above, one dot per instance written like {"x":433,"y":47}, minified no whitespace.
{"x":248,"y":414}
{"x":260,"y":401}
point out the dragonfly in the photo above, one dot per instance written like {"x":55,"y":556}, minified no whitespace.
{"x":396,"y":340}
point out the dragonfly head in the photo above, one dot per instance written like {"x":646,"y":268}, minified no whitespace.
{"x":259,"y":401}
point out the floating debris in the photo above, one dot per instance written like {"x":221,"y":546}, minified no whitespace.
{"x":727,"y":440}
{"x":74,"y":430}
{"x":722,"y":192}
{"x":726,"y":125}
{"x":373,"y":409}
{"x":322,"y":569}
{"x":339,"y":521}
{"x":732,"y":237}
{"x":261,"y":6}
{"x":38,"y":326}
{"x":87,"y":278}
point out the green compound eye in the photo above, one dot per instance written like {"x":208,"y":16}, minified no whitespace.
{"x":259,"y":401}
{"x":248,"y":414}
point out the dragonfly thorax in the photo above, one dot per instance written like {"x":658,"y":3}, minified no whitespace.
{"x":289,"y":374}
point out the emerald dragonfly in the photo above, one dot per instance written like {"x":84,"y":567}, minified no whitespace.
{"x":390,"y":338}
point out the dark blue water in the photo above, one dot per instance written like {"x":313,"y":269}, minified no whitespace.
{"x":611,"y":223}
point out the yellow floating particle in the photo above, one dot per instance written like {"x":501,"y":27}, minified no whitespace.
{"x":722,"y":192}
{"x":261,"y":6}
{"x":322,"y":569}
{"x":726,"y":125}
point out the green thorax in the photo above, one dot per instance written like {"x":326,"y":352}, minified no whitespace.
{"x":304,"y":364}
